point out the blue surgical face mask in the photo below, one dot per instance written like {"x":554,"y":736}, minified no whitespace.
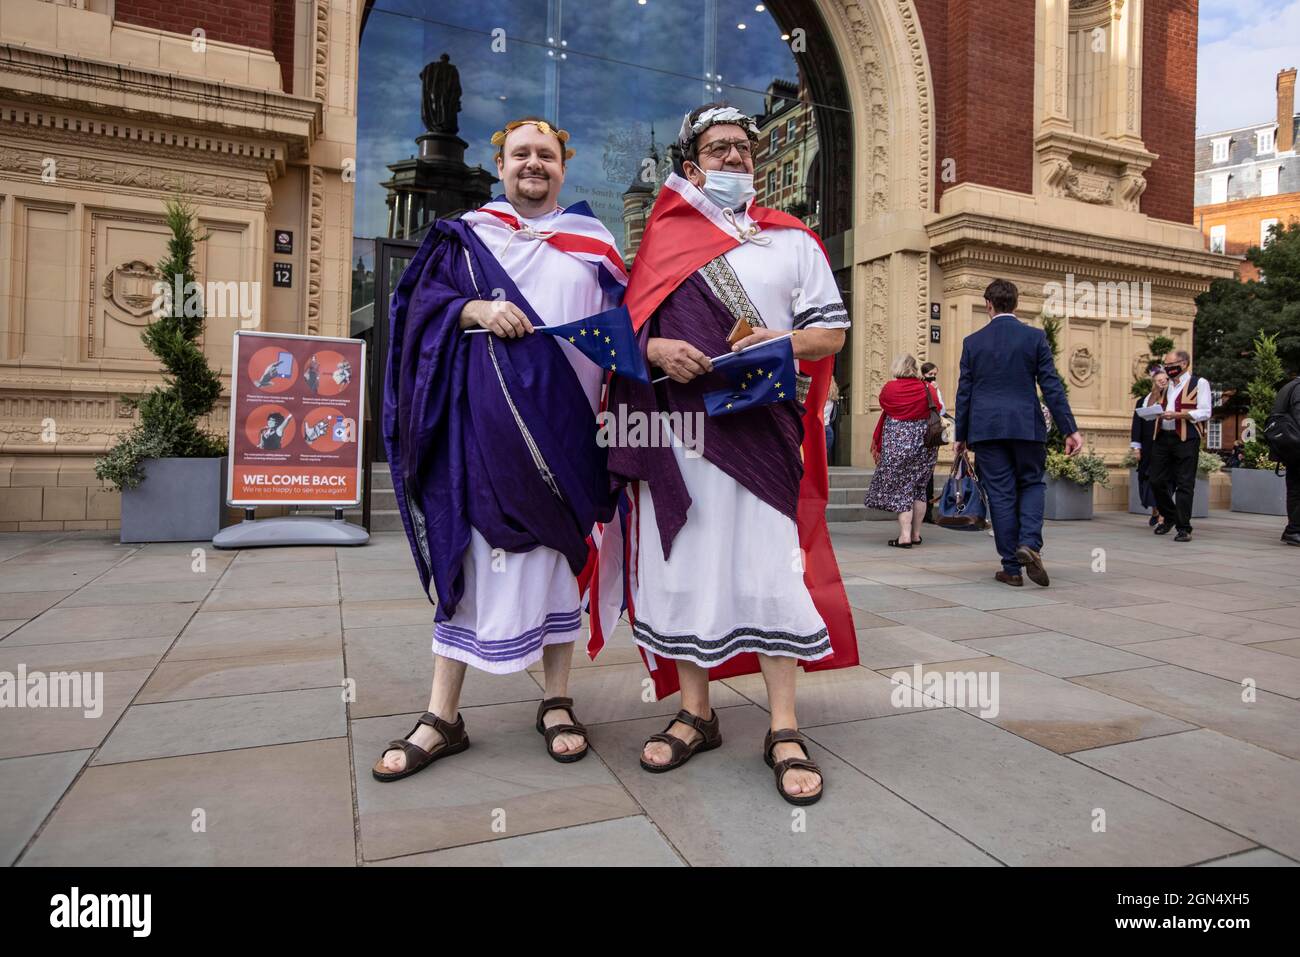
{"x":728,"y":190}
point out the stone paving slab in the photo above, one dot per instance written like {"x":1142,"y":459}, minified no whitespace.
{"x":393,"y":672}
{"x":257,"y":633}
{"x":43,"y":730}
{"x":1269,"y":720}
{"x":102,"y":623}
{"x":1049,"y":711}
{"x":1244,"y":788}
{"x":901,"y":646}
{"x":623,"y":842}
{"x":505,"y":779}
{"x":981,"y":772}
{"x":722,"y":808}
{"x":1060,"y":655}
{"x":262,"y":807}
{"x":1224,"y":659}
{"x":231,"y":723}
{"x":29,"y":789}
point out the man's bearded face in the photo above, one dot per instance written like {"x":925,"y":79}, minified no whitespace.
{"x":531,"y":166}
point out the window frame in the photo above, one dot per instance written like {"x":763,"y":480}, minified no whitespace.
{"x":1219,"y":149}
{"x":1219,"y":188}
{"x":1220,"y":233}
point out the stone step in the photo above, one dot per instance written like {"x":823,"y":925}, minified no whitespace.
{"x":857,"y":513}
{"x":844,"y":477}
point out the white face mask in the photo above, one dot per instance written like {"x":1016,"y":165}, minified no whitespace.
{"x":728,"y":190}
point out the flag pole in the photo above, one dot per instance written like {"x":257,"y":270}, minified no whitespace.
{"x":664,"y":378}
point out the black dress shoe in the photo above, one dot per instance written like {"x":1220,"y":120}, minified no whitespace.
{"x":1032,"y":562}
{"x":1163,"y":529}
{"x":1183,"y":537}
{"x":1152,"y":521}
{"x":1291,"y":539}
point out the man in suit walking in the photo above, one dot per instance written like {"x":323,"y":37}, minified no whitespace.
{"x":999,"y":419}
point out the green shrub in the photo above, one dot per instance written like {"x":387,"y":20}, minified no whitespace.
{"x":1131,"y":460}
{"x":1086,"y":468}
{"x":170,"y":413}
{"x":1208,"y":463}
{"x":1256,"y":456}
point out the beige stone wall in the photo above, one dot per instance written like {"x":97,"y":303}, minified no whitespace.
{"x":102,"y":121}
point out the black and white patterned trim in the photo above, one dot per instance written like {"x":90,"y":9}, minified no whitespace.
{"x":707,"y":652}
{"x":833,"y":315}
{"x":725,"y":284}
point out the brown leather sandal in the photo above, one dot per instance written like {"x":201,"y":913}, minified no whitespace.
{"x":710,"y":738}
{"x":574,"y":727}
{"x":785,"y":764}
{"x":454,"y":741}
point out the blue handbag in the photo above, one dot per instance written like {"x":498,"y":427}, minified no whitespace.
{"x":962,"y":505}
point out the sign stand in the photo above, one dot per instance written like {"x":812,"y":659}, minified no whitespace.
{"x":294,"y":438}
{"x":290,"y":530}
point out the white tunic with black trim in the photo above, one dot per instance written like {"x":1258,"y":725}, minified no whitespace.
{"x":735,"y":581}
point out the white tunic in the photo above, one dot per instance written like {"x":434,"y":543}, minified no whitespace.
{"x":735,"y":581}
{"x":516,"y":603}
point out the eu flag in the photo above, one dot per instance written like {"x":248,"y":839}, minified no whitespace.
{"x":606,"y":339}
{"x":760,"y":375}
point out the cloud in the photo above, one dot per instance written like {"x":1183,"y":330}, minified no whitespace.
{"x":1242,"y":47}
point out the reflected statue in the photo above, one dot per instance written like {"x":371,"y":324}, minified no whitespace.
{"x":440,"y":98}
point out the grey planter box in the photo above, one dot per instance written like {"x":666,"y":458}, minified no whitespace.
{"x":1258,"y":491}
{"x":1200,"y":498}
{"x":180,"y":500}
{"x":1067,"y":501}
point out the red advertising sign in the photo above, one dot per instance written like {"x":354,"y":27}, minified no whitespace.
{"x":295,"y":420}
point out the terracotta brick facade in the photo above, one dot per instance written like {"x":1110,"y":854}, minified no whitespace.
{"x":1169,"y":106}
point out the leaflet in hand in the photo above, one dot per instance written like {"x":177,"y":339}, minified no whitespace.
{"x":1150,"y":412}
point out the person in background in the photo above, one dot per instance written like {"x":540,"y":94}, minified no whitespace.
{"x":1003,"y":366}
{"x":903,"y":462}
{"x":1287,"y":403}
{"x":1177,"y":446}
{"x":1237,"y":457}
{"x":1141,"y":437}
{"x":830,"y":414}
{"x":930,"y":374}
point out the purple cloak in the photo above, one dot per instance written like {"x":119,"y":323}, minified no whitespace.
{"x":483,"y":432}
{"x":758,"y":447}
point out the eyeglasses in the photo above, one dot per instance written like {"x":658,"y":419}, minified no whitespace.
{"x":721,"y":148}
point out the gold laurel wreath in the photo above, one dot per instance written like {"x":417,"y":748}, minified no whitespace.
{"x":499,"y":137}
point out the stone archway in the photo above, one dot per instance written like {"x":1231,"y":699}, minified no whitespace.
{"x":866,"y":67}
{"x":890,"y":90}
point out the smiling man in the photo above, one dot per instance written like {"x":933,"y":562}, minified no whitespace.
{"x":492,"y":438}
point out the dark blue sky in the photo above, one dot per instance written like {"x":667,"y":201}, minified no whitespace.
{"x":628,"y":65}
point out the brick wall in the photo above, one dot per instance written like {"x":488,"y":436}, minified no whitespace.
{"x":1169,"y":106}
{"x":988,"y":105}
{"x":264,"y":24}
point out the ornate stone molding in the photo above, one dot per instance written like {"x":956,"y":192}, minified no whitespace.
{"x":115,"y":176}
{"x":1092,"y":170}
{"x":35,"y":76}
{"x":315,"y":244}
{"x":320,"y":70}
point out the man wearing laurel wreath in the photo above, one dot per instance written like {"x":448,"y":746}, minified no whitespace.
{"x":492,"y":438}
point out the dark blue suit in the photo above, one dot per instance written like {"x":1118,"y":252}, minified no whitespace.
{"x":1003,"y":366}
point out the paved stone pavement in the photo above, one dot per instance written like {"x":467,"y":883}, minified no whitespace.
{"x":1120,"y":735}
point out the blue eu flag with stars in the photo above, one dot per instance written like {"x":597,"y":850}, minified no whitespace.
{"x":758,"y":376}
{"x":606,"y":339}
